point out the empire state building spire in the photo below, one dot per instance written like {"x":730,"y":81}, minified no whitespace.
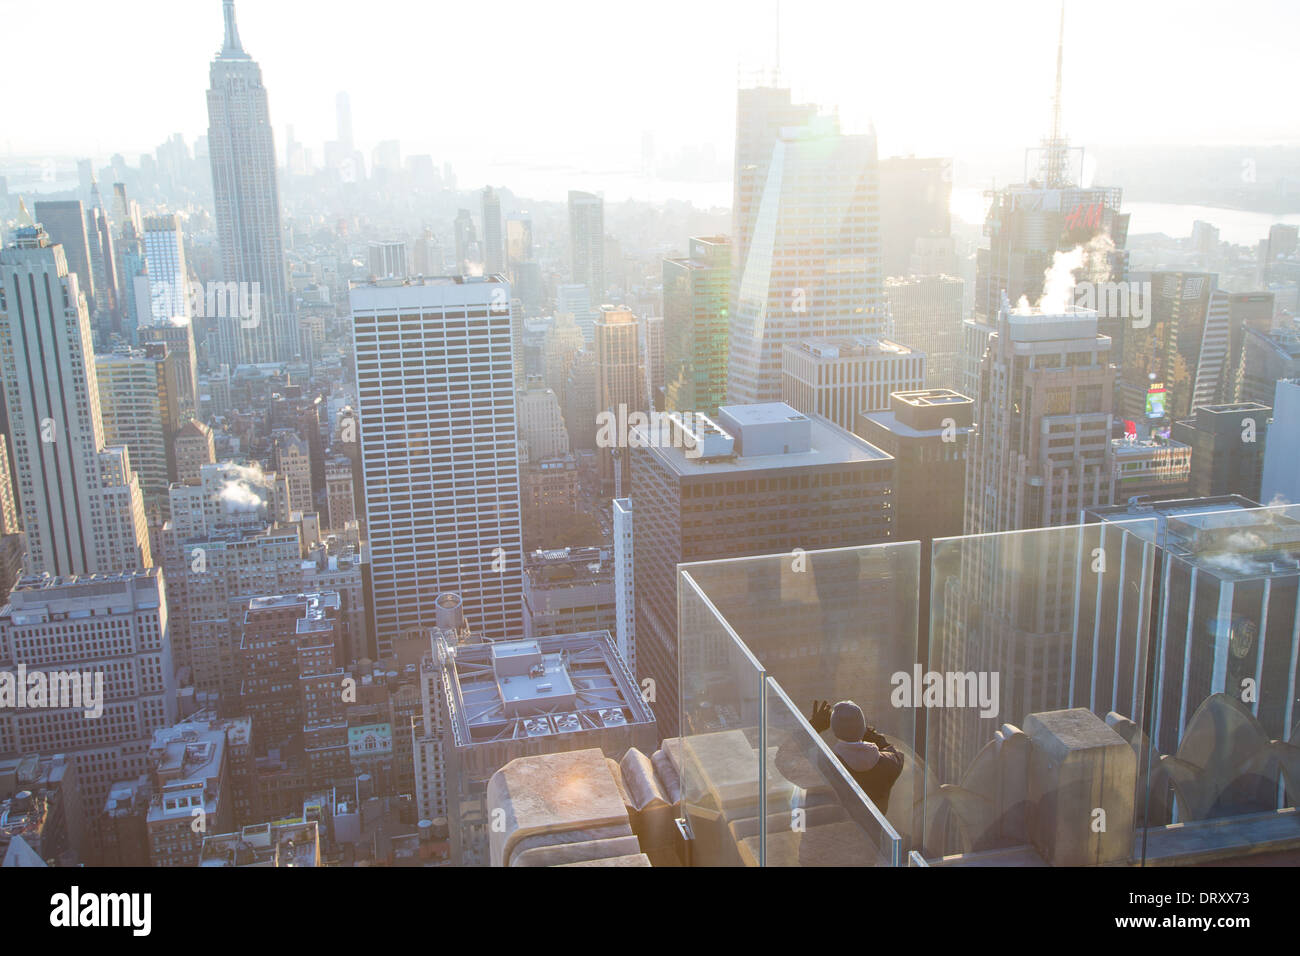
{"x":231,"y":47}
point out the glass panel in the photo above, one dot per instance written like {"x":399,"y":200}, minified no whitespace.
{"x":832,"y":625}
{"x":1035,"y":678}
{"x":717,"y":756}
{"x":817,"y":812}
{"x":1223,"y":718}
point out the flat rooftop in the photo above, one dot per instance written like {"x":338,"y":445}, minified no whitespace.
{"x":890,"y":421}
{"x":1228,"y":536}
{"x":929,"y":397}
{"x":424,"y":281}
{"x":852,"y":346}
{"x":552,"y":685}
{"x":830,"y":446}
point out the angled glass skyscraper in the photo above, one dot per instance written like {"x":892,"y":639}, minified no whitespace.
{"x":246,"y":193}
{"x":811,"y":263}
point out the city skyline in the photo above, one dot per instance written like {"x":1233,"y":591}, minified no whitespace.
{"x":934,"y":117}
{"x":860,"y":516}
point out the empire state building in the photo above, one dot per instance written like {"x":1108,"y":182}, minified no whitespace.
{"x":256,"y":323}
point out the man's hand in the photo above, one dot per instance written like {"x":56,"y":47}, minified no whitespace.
{"x":821,"y":716}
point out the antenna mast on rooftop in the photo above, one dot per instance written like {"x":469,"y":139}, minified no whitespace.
{"x":1056,"y":150}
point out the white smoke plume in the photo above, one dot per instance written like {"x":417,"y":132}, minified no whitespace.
{"x":246,"y":488}
{"x":1237,"y":560}
{"x":1058,"y":283}
{"x":1059,"y":280}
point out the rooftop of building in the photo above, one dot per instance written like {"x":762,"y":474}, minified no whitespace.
{"x":128,"y":797}
{"x":36,"y":598}
{"x":32,"y":771}
{"x":318,"y":609}
{"x":916,"y":414}
{"x":1139,"y":446}
{"x":187,"y":761}
{"x":425,"y":281}
{"x":543,"y":687}
{"x":852,"y":346}
{"x":1232,"y":408}
{"x":287,"y":843}
{"x":822,"y":444}
{"x":561,"y":567}
{"x":1230,"y":537}
{"x":609,"y":314}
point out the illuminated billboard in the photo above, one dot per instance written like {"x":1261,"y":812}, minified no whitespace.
{"x":1157,"y":400}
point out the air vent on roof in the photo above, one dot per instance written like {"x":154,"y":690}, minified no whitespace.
{"x":567,"y":724}
{"x":613,"y":718}
{"x":537,"y":727}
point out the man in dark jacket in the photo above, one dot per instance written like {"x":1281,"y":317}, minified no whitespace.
{"x":871,"y":760}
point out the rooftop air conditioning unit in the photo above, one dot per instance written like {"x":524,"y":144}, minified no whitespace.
{"x":539,"y":727}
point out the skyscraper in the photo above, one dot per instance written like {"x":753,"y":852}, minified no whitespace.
{"x":246,"y":194}
{"x":1041,"y":452}
{"x":926,"y":313}
{"x":179,"y":339}
{"x":103,"y":261}
{"x":82,"y":507}
{"x":494,"y":247}
{"x":1028,"y":223}
{"x":164,"y":253}
{"x":762,"y":479}
{"x":574,"y":300}
{"x":1281,"y":478}
{"x":388,"y":259}
{"x":619,"y":380}
{"x":140,"y":402}
{"x":697,"y":296}
{"x":1229,"y":444}
{"x":813,"y":263}
{"x":761,"y":114}
{"x":839,"y":378}
{"x":587,"y":242}
{"x":65,"y":223}
{"x":132,"y":267}
{"x":439,"y":447}
{"x":1183,"y":348}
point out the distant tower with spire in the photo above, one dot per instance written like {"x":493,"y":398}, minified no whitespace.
{"x":1056,"y":148}
{"x":246,"y":193}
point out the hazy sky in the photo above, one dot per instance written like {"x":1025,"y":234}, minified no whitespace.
{"x":579,"y":81}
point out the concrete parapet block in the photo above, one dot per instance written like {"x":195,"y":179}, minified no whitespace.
{"x":1082,"y":783}
{"x":563,"y":854}
{"x":554,"y":793}
{"x":633,"y":860}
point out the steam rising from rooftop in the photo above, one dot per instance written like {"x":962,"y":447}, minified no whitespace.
{"x":246,"y":488}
